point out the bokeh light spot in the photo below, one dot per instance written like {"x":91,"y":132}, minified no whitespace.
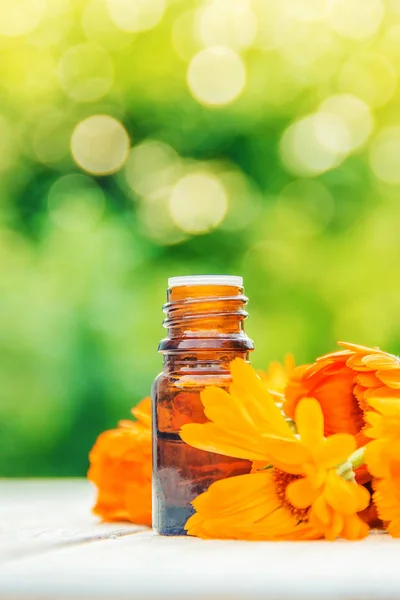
{"x":18,"y":17}
{"x":244,"y":200}
{"x":314,"y":144}
{"x":369,"y":76}
{"x":136,"y":15}
{"x":331,"y":132}
{"x":230,"y":23}
{"x":76,"y":202}
{"x":99,"y":28}
{"x":86,"y":72}
{"x":393,"y":6}
{"x":391,"y":46}
{"x":151,"y":165}
{"x":384,"y":155}
{"x":355,"y":19}
{"x":100,"y":144}
{"x":184,"y":36}
{"x":156,"y":218}
{"x":306,"y":11}
{"x":53,"y":26}
{"x":354,"y":113}
{"x":198,"y":202}
{"x":216,"y":76}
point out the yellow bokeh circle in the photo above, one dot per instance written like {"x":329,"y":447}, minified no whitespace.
{"x":100,"y":28}
{"x":216,"y":76}
{"x":136,"y":15}
{"x":355,"y":19}
{"x":230,"y":23}
{"x":100,"y":144}
{"x":369,"y":76}
{"x":18,"y":17}
{"x":315,"y":144}
{"x":355,"y":115}
{"x":151,"y":165}
{"x":384,"y":156}
{"x":86,"y":72}
{"x":198,"y":202}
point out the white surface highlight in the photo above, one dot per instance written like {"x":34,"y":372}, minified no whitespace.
{"x":51,"y":547}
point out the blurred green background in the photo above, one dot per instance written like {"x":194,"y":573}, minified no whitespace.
{"x":141,"y":139}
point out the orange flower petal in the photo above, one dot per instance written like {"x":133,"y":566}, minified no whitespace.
{"x":343,"y":383}
{"x":276,"y":377}
{"x":247,"y":387}
{"x":220,"y":408}
{"x":120,"y":467}
{"x":363,"y":497}
{"x":321,"y":513}
{"x":338,"y":354}
{"x":300,"y":493}
{"x":381,"y":392}
{"x":310,"y":422}
{"x":381,"y":361}
{"x":345,"y":497}
{"x":355,"y":362}
{"x":335,"y":449}
{"x":289,"y":363}
{"x":375,"y":458}
{"x":339,"y":496}
{"x":239,"y":419}
{"x":387,"y":501}
{"x":142,"y":411}
{"x":367,"y":380}
{"x":245,"y":507}
{"x":358,"y":348}
{"x":316,"y":475}
{"x":333,"y":391}
{"x":335,"y":527}
{"x":212,"y":438}
{"x":373,"y":419}
{"x":286,"y":452}
{"x":240,"y":493}
{"x":387,"y":406}
{"x":390,"y":378}
{"x":354,"y":528}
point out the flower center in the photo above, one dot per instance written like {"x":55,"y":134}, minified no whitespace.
{"x":282,"y":480}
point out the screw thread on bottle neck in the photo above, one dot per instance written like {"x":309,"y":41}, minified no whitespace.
{"x":206,"y":316}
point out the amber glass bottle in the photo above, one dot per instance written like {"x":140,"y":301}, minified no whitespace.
{"x":204,"y":318}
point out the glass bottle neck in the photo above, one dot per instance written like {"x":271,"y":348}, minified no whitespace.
{"x":204,"y":319}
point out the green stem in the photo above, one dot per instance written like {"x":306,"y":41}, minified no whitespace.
{"x":357,"y":459}
{"x":346,"y":469}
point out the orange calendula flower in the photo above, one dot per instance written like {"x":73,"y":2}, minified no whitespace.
{"x":250,"y":507}
{"x":295,"y":490}
{"x":343,"y":382}
{"x":382,"y":456}
{"x":334,"y":501}
{"x":383,"y":427}
{"x":120,"y":467}
{"x":387,"y":499}
{"x":277,"y":375}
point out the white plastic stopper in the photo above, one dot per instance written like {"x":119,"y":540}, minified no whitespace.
{"x":232,"y":280}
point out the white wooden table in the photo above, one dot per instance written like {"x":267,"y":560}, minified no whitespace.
{"x":52,"y":547}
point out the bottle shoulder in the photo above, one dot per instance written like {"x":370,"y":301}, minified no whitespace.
{"x":238,"y":343}
{"x":168,"y":384}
